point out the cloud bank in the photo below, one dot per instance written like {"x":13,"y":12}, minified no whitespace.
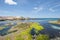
{"x":10,"y":2}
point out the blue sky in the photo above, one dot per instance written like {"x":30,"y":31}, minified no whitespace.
{"x":30,"y":8}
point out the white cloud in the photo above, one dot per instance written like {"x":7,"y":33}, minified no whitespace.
{"x":35,"y":8}
{"x":38,"y":9}
{"x":52,"y":10}
{"x":10,"y":2}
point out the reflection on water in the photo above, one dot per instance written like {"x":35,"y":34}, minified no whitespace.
{"x":5,"y":30}
{"x":55,"y":27}
{"x":49,"y":29}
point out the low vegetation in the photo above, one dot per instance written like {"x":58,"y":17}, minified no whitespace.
{"x":28,"y":30}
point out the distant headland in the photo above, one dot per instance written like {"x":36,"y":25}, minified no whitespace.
{"x":3,"y":18}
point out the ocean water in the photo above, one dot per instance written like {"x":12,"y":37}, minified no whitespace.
{"x":45,"y":18}
{"x":41,"y":19}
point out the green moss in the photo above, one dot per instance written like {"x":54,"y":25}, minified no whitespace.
{"x":42,"y":37}
{"x":25,"y":32}
{"x":8,"y":38}
{"x":24,"y":35}
{"x":2,"y":27}
{"x":37,"y":26}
